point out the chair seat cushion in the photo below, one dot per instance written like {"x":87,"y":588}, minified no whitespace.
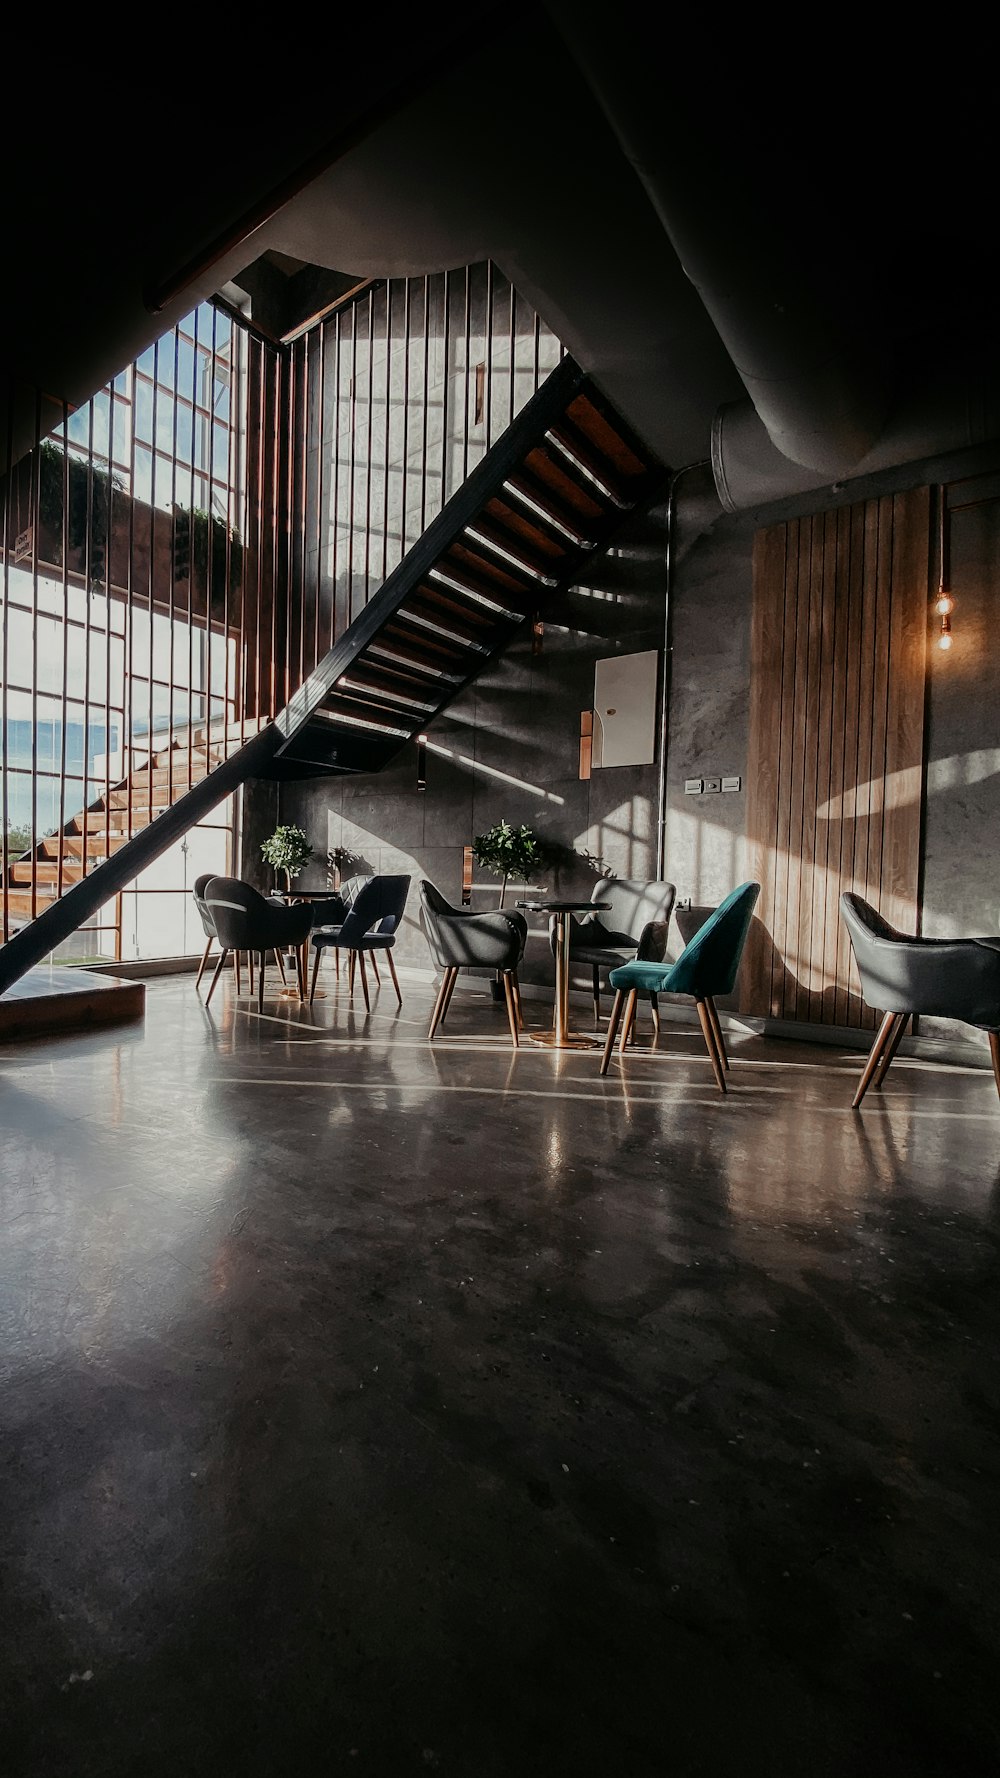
{"x":647,"y":978}
{"x":606,"y":956}
{"x":369,"y":941}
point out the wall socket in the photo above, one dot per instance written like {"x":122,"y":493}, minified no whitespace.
{"x":713,"y":784}
{"x":693,"y":787}
{"x":731,"y":783}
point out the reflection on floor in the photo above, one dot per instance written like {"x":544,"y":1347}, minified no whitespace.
{"x":380,"y":1408}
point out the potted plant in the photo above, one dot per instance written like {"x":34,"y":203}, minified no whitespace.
{"x":510,"y":852}
{"x":287,"y":851}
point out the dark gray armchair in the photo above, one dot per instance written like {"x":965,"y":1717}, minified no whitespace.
{"x":460,"y":939}
{"x":633,"y":929}
{"x":949,"y":978}
{"x":248,"y":921}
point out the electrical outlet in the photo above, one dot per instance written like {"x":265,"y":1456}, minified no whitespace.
{"x":693,"y":787}
{"x":731,"y":783}
{"x":713,"y":783}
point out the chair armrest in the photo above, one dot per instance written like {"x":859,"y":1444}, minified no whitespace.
{"x":652,"y":946}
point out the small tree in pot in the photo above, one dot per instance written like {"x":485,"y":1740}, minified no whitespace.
{"x":287,"y":851}
{"x":511,"y":852}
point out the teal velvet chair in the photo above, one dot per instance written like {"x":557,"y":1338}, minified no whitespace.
{"x":708,"y":965}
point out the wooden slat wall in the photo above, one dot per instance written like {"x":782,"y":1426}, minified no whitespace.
{"x":836,"y":745}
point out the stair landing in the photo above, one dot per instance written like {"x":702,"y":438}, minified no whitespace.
{"x":51,"y":1001}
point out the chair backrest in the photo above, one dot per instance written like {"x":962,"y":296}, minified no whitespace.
{"x":237,"y":910}
{"x":431,"y":898}
{"x":710,"y":961}
{"x":457,"y":937}
{"x":636,"y":905}
{"x":200,"y":885}
{"x":377,"y":906}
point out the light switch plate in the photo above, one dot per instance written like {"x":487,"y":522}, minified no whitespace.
{"x":713,"y":783}
{"x":692,"y":787}
{"x":731,"y":783}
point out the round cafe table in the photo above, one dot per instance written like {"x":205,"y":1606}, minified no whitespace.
{"x":561,"y":1037}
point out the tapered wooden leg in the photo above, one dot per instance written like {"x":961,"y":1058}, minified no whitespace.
{"x":318,"y":952}
{"x":654,"y":1007}
{"x":218,"y":971}
{"x":250,"y":967}
{"x":372,"y":960}
{"x":204,"y":960}
{"x":439,"y":1004}
{"x":301,"y":971}
{"x":364,"y":980}
{"x":517,"y":998}
{"x":709,"y":1035}
{"x":895,"y":1037}
{"x":994,"y":1037}
{"x":629,"y":1019}
{"x":449,"y":991}
{"x":597,"y":993}
{"x":351,"y":956}
{"x":260,"y":982}
{"x":236,"y":972}
{"x":508,"y":994}
{"x":336,"y":959}
{"x":882,"y":1036}
{"x":395,"y":978}
{"x":720,"y":1042}
{"x":280,"y":961}
{"x":613,"y":1022}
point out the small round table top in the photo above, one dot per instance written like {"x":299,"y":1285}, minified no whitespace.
{"x":562,"y":907}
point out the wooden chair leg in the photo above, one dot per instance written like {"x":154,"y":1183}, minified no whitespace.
{"x":613,"y":1022}
{"x":236,"y":972}
{"x":448,"y":994}
{"x":318,"y":952}
{"x":280,"y":961}
{"x":994,"y":1037}
{"x":204,"y":960}
{"x":508,"y":994}
{"x":895,"y":1037}
{"x":351,"y":956}
{"x":301,"y":971}
{"x":629,"y":1019}
{"x":517,"y":998}
{"x":364,"y":980}
{"x":373,"y":961}
{"x":218,"y":971}
{"x":250,"y":966}
{"x":708,"y":1033}
{"x":439,"y":1003}
{"x":882,"y":1036}
{"x":654,"y":1007}
{"x":395,"y":978}
{"x":336,"y":960}
{"x":597,"y":993}
{"x":720,"y":1042}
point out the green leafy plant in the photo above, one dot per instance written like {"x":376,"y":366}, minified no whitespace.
{"x":511,"y":852}
{"x":287,"y":851}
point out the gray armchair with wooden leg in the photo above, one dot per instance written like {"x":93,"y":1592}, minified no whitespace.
{"x":211,"y":937}
{"x":460,"y":939}
{"x":368,"y":929}
{"x":903,"y":976}
{"x":247,"y":921}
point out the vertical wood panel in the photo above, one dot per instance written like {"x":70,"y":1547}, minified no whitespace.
{"x":834,"y":803}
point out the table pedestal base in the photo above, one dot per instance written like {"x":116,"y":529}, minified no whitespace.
{"x":570,"y":1040}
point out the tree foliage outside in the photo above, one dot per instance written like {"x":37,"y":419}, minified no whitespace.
{"x":287,"y":851}
{"x":511,"y":852}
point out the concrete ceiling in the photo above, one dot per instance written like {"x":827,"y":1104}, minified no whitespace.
{"x":700,"y":225}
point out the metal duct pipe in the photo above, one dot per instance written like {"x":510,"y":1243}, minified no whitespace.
{"x":958,"y":408}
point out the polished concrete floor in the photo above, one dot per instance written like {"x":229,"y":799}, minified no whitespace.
{"x":380,"y":1409}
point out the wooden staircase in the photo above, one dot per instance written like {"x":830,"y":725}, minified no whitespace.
{"x":546,"y":499}
{"x":42,"y":875}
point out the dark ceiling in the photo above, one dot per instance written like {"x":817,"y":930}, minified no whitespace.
{"x":702,"y":221}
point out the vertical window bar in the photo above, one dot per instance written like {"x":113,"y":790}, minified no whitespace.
{"x":320,"y":460}
{"x":445,"y":386}
{"x":352,"y":463}
{"x":208,"y":375}
{"x":172,"y":580}
{"x":386,"y":421}
{"x":151,"y":577}
{"x":34,"y":489}
{"x":403,"y":536}
{"x":88,"y":569}
{"x":511,"y":392}
{"x":8,"y":494}
{"x":278,"y":408}
{"x":130,"y":608}
{"x":490,"y":297}
{"x":335,"y":496}
{"x":424,"y":462}
{"x":468,"y":368}
{"x":63,"y":705}
{"x":192,"y":554}
{"x":368,"y":453}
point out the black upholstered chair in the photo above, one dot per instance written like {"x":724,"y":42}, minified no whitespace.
{"x":947,"y":978}
{"x":633,"y":928}
{"x":245,"y":920}
{"x":374,"y":910}
{"x":211,"y":937}
{"x":460,"y":939}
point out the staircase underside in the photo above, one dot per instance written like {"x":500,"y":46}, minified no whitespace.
{"x":546,"y":499}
